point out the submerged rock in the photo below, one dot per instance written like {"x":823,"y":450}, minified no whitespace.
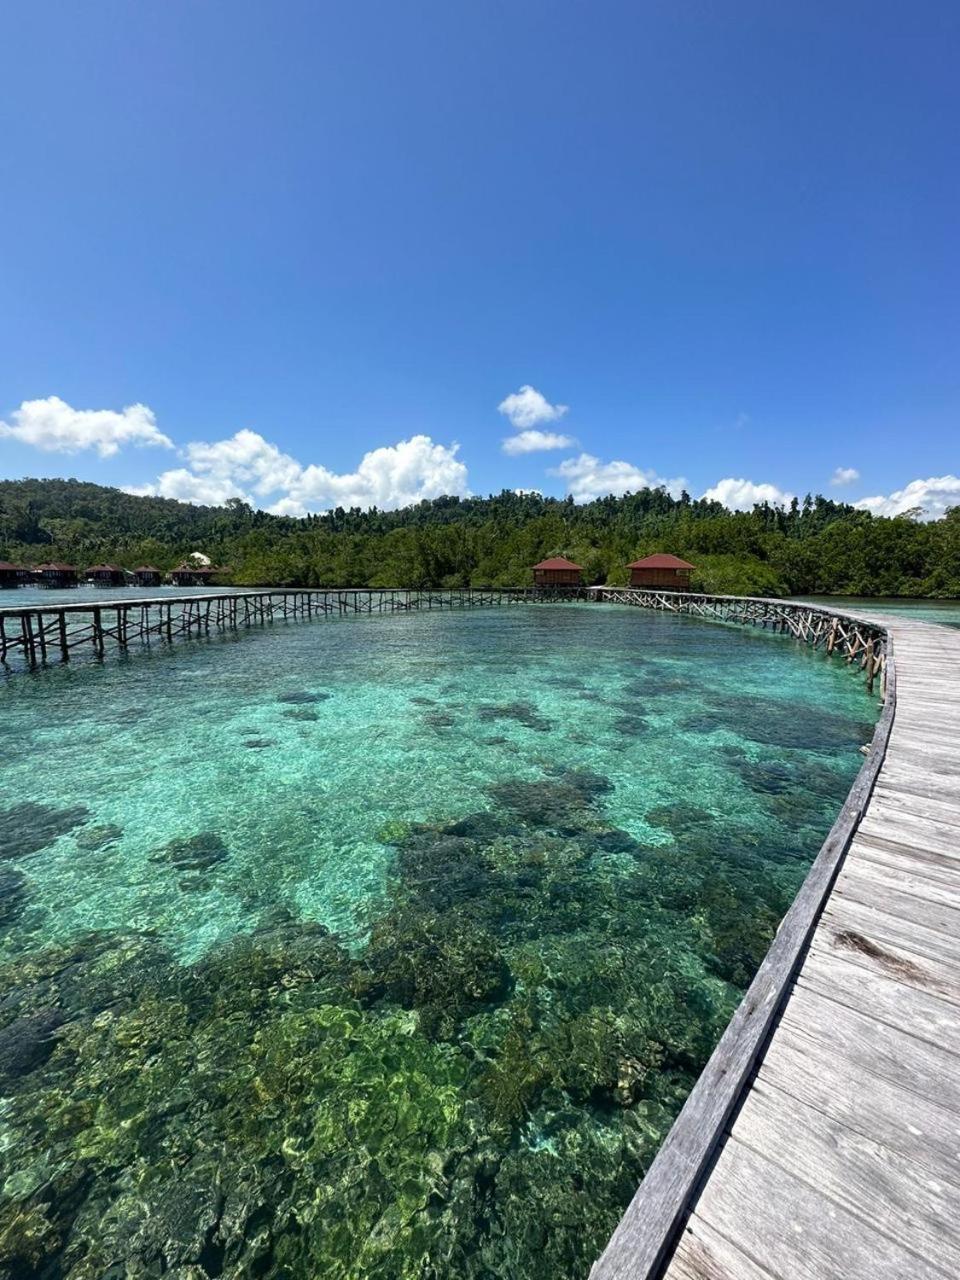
{"x":522,"y":712}
{"x":547,"y":803}
{"x":98,"y":837}
{"x":586,"y":781}
{"x":13,"y":890}
{"x":258,"y":744}
{"x":27,"y":828}
{"x":439,"y":719}
{"x":304,"y":696}
{"x":631,"y":726}
{"x":27,"y":1042}
{"x":305,"y":714}
{"x":193,"y":853}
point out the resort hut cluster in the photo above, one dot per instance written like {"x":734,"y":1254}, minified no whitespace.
{"x":661,"y":572}
{"x":195,"y":572}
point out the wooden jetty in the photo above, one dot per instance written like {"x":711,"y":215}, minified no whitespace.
{"x":43,"y":634}
{"x":822,"y":1141}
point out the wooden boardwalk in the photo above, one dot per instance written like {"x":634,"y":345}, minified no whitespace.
{"x":839,"y":1156}
{"x":38,"y":635}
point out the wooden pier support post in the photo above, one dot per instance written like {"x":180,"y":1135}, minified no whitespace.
{"x":98,"y":631}
{"x":29,"y":647}
{"x":42,"y":637}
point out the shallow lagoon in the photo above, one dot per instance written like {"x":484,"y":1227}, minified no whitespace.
{"x":387,"y":947}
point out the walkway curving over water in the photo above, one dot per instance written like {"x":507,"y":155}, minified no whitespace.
{"x":828,"y":1146}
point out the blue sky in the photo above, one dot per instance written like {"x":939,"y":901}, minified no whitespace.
{"x":724,"y":236}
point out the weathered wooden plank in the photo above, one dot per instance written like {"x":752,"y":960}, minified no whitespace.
{"x":906,"y":1123}
{"x":903,"y":877}
{"x":857,"y":1172}
{"x":944,"y":771}
{"x":864,"y":1042}
{"x":864,"y":888}
{"x":900,"y":963}
{"x":921,"y":864}
{"x":704,"y":1254}
{"x":927,"y":1017}
{"x":800,"y":1233}
{"x":902,"y":777}
{"x":886,"y":821}
{"x":945,"y":811}
{"x":905,"y":950}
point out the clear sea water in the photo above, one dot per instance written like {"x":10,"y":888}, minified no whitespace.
{"x":388,"y":946}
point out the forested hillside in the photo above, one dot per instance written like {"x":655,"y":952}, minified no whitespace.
{"x":814,"y":546}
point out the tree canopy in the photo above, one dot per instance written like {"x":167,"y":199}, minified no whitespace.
{"x":816,"y":546}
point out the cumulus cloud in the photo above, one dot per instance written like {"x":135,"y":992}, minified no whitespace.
{"x":56,"y":427}
{"x":249,"y":467}
{"x":535,"y":441}
{"x":845,"y":475}
{"x":586,"y":478}
{"x":528,"y":408}
{"x":742,"y":495}
{"x":932,"y":497}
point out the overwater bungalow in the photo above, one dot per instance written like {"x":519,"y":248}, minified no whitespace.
{"x":557,"y":572}
{"x":147,"y":576}
{"x":191,"y":575}
{"x":106,"y":575}
{"x":662,"y":571}
{"x":56,"y":574}
{"x":11,"y":575}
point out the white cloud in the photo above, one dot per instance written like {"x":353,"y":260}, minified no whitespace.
{"x":586,"y":478}
{"x":528,"y":408}
{"x":742,"y":495}
{"x":534,"y":441}
{"x":248,"y":466}
{"x":845,"y":475}
{"x":55,"y":427}
{"x":933,"y":496}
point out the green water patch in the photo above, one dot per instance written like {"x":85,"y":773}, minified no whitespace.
{"x":415,"y":988}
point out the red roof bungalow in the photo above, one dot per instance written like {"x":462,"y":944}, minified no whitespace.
{"x":191,"y":575}
{"x":56,"y":574}
{"x":556,"y":572}
{"x":11,"y":575}
{"x":147,"y":576}
{"x":663,"y":571}
{"x":106,"y":575}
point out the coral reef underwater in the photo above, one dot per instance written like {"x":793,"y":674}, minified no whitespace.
{"x":475,"y":1092}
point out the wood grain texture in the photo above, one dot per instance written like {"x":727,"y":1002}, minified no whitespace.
{"x":798,"y":1232}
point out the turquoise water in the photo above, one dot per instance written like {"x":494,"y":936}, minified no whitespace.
{"x":944,"y":612}
{"x":387,"y":947}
